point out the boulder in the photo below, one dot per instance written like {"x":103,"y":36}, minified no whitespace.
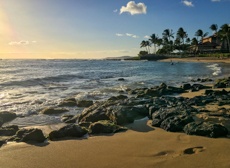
{"x":120,"y":79}
{"x":9,"y":130}
{"x":53,"y":110}
{"x":119,"y":97}
{"x":2,"y":142}
{"x":29,"y":135}
{"x":105,"y":126}
{"x":222,"y":83}
{"x":176,"y":123}
{"x":6,"y":117}
{"x":180,"y":115}
{"x":69,"y":118}
{"x":67,"y":103}
{"x":127,"y":114}
{"x":71,"y":130}
{"x":186,"y":86}
{"x":207,"y":129}
{"x":95,"y":115}
{"x":84,"y":103}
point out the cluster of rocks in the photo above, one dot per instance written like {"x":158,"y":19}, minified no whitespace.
{"x":222,"y":83}
{"x":171,"y":113}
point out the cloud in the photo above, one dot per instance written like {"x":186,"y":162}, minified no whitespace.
{"x":147,"y":37}
{"x":133,"y":8}
{"x":131,"y":35}
{"x":215,"y":0}
{"x":115,"y":10}
{"x":127,"y":35}
{"x":188,"y":3}
{"x":119,"y":35}
{"x":22,"y":42}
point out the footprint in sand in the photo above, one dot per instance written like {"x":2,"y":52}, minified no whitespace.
{"x":164,"y":153}
{"x":194,"y":150}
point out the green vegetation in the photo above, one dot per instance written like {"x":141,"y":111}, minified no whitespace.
{"x":181,"y":44}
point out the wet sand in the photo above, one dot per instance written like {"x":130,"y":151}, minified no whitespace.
{"x":135,"y":148}
{"x":140,"y":147}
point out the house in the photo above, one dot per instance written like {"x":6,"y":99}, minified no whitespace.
{"x":209,"y":45}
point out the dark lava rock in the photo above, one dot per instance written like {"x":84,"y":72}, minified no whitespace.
{"x":222,"y":83}
{"x":52,"y":110}
{"x":6,"y":116}
{"x":67,"y":103}
{"x":84,"y":103}
{"x":2,"y":142}
{"x":119,"y":97}
{"x":9,"y":130}
{"x":186,"y":86}
{"x":29,"y":135}
{"x":71,"y":130}
{"x":127,"y":114}
{"x":104,"y":127}
{"x":207,"y":129}
{"x":121,"y":79}
{"x":95,"y":115}
{"x":68,"y":118}
{"x":164,"y":117}
{"x":176,"y":123}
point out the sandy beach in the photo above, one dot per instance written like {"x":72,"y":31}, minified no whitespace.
{"x":141,"y":146}
{"x":198,"y":59}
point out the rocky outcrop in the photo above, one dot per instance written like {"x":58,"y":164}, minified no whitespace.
{"x":70,"y":102}
{"x":29,"y":135}
{"x":8,"y":130}
{"x":69,"y":118}
{"x":6,"y":117}
{"x":206,"y":129}
{"x":53,"y":110}
{"x":84,"y":103}
{"x":105,"y":126}
{"x":222,"y":83}
{"x":71,"y":130}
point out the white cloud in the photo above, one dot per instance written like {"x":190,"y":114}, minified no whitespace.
{"x":119,"y":35}
{"x":133,"y":8}
{"x":115,"y":10}
{"x":215,"y":0}
{"x":147,"y":37}
{"x":127,"y":34}
{"x":188,"y":3}
{"x":22,"y":42}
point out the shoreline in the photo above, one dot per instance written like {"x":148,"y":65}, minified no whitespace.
{"x":148,"y":147}
{"x":198,"y":59}
{"x":142,"y":145}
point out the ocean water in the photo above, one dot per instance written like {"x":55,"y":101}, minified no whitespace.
{"x":27,"y":86}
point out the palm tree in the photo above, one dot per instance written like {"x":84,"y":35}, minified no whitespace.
{"x":159,"y":42}
{"x":153,"y":39}
{"x":181,"y":34}
{"x":188,"y":40}
{"x":225,"y":34}
{"x":168,"y":34}
{"x":194,"y":41}
{"x":145,"y":44}
{"x":214,"y":28}
{"x":201,"y":34}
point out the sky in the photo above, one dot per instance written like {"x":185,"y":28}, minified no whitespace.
{"x":95,"y":29}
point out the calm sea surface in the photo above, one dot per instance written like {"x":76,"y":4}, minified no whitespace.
{"x":27,"y":86}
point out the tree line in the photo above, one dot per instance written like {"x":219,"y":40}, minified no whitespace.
{"x":180,"y":40}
